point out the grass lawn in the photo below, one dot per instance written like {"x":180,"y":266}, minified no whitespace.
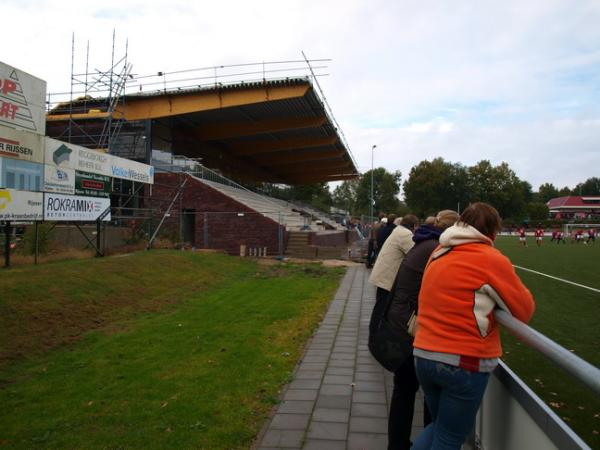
{"x":161,"y":349}
{"x":568,"y":315}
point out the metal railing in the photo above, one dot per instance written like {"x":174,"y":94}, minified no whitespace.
{"x":512,"y":415}
{"x":197,"y":78}
{"x":566,"y":360}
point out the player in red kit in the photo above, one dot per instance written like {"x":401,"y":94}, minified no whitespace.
{"x":522,"y":238}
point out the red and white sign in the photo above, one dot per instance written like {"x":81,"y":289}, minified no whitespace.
{"x":23,"y":145}
{"x":22,"y":100}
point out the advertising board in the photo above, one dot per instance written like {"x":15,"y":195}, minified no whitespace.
{"x":20,"y":205}
{"x":92,"y":184}
{"x":59,"y":181}
{"x":76,"y":157}
{"x":131,"y":170}
{"x":22,"y":175}
{"x":58,"y":207}
{"x":22,"y":100}
{"x":21,"y":145}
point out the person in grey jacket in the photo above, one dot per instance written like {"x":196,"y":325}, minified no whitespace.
{"x":403,"y":299}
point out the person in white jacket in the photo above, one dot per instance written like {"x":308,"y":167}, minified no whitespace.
{"x":388,"y":262}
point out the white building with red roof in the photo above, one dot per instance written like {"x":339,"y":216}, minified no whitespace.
{"x":574,"y":206}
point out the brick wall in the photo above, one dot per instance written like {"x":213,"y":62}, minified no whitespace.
{"x":216,"y":215}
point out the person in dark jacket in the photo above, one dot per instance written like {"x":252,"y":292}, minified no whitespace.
{"x":385,"y":231}
{"x":403,"y":298}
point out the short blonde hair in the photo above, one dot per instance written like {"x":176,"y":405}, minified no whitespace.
{"x":430,"y":220}
{"x":446,"y":218}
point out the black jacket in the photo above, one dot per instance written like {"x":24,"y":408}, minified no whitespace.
{"x":405,"y":291}
{"x":384,"y":233}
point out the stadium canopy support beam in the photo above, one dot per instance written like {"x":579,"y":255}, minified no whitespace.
{"x":144,"y":108}
{"x":293,"y":158}
{"x":272,"y":146}
{"x":309,"y":179}
{"x":331,"y":167}
{"x":214,"y":132}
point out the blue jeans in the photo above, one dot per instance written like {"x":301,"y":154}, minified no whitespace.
{"x":453,"y":396}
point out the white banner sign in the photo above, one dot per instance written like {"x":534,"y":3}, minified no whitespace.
{"x":76,"y":157}
{"x":131,"y":170}
{"x":22,"y":100}
{"x":20,"y":205}
{"x":59,"y":207}
{"x":23,"y":145}
{"x":57,"y":180}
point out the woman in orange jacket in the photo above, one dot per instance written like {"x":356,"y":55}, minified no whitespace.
{"x":457,"y":343}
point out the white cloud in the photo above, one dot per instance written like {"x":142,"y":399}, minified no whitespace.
{"x":507,"y":81}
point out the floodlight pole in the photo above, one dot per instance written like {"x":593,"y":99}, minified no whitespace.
{"x":372,"y":199}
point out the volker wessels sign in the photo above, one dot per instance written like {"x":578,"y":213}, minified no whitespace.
{"x":59,"y":207}
{"x":63,"y":154}
{"x":22,"y":145}
{"x":131,"y":170}
{"x":22,"y":100}
{"x":58,"y":180}
{"x":20,"y":205}
{"x":92,"y":184}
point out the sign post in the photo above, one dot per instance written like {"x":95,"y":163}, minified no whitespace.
{"x":7,"y":231}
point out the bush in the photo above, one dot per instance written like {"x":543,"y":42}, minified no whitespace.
{"x":44,"y":239}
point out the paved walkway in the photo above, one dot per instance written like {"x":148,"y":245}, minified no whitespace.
{"x":340,"y":395}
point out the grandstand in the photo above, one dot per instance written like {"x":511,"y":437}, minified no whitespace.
{"x":272,"y":130}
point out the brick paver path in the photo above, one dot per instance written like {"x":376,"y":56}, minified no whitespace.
{"x":339,"y":397}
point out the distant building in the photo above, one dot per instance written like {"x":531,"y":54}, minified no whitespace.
{"x":574,"y":207}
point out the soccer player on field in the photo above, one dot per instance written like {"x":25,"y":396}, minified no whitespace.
{"x":560,"y":237}
{"x":591,"y":236}
{"x":522,"y":238}
{"x":539,"y":235}
{"x":579,"y":236}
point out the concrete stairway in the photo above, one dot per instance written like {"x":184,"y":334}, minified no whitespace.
{"x":297,"y":246}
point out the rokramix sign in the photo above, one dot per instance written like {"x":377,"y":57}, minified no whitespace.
{"x":20,"y":205}
{"x":74,"y":208}
{"x":22,"y":100}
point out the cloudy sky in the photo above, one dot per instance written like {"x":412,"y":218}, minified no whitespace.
{"x":515,"y":81}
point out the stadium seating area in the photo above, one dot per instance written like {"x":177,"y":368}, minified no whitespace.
{"x":295,"y":217}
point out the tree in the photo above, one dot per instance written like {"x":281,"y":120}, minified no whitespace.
{"x":316,"y":195}
{"x":591,"y":186}
{"x":386,"y":187}
{"x":435,"y":185}
{"x":537,"y":211}
{"x":564,"y":192}
{"x":546,"y":192}
{"x":500,"y":187}
{"x":344,"y":196}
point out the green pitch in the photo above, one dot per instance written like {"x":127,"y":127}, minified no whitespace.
{"x":566,"y":314}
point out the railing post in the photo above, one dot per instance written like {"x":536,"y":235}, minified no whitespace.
{"x":205,"y":230}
